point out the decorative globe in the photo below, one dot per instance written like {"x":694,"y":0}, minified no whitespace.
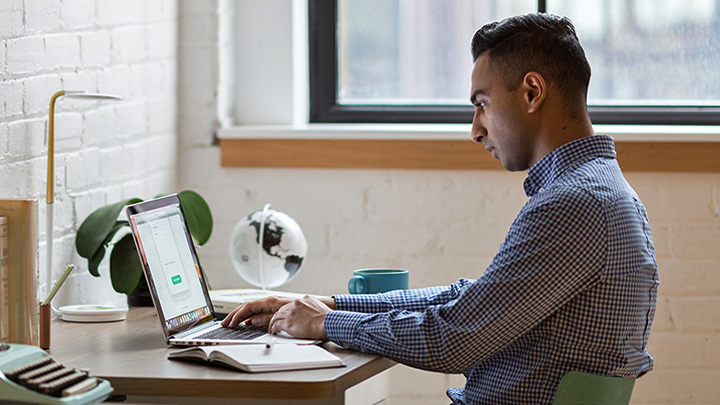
{"x":267,"y":248}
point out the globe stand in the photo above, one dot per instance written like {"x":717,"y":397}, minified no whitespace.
{"x":261,"y":246}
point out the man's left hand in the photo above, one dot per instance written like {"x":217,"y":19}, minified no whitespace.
{"x":302,"y":318}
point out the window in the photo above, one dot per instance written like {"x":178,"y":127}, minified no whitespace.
{"x":653,"y":61}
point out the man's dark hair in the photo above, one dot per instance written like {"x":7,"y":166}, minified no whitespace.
{"x":538,"y":42}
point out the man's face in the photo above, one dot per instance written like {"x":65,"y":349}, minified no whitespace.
{"x":501,"y":119}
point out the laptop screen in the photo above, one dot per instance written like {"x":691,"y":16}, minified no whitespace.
{"x":170,"y":263}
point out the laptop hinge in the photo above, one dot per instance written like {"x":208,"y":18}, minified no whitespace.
{"x":193,"y":330}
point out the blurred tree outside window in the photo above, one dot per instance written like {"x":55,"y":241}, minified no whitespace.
{"x":643,"y":53}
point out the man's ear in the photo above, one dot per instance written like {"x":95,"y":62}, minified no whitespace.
{"x":535,"y":90}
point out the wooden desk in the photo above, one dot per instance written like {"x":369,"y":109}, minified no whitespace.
{"x":132,"y":355}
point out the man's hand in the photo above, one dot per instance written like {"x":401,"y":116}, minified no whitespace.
{"x":256,"y":312}
{"x":302,"y":318}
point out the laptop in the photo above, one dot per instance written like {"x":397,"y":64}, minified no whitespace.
{"x":176,"y":280}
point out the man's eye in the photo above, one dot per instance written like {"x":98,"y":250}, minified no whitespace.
{"x":480,"y":105}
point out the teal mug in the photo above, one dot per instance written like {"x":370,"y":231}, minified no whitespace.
{"x":372,"y":281}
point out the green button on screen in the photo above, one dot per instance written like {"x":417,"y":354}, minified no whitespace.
{"x":176,"y":280}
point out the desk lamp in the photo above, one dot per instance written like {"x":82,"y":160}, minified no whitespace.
{"x":51,"y":170}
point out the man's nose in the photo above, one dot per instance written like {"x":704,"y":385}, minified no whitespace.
{"x":478,"y":131}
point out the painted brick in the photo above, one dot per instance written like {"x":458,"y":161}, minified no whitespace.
{"x":162,"y":39}
{"x":428,"y":270}
{"x":382,"y":242}
{"x":27,"y":138}
{"x":678,"y":350}
{"x":62,"y":51}
{"x":77,"y":14}
{"x":161,"y":114}
{"x":39,"y":91}
{"x":80,"y":80}
{"x":4,"y":137}
{"x":82,"y":170}
{"x":113,"y":13}
{"x":686,"y":387}
{"x":154,"y":11}
{"x":147,"y":78}
{"x":470,"y":239}
{"x":661,"y":239}
{"x":11,"y":18}
{"x":8,"y":183}
{"x":689,"y":278}
{"x":115,"y":164}
{"x":95,"y":48}
{"x":100,"y":125}
{"x":695,"y":241}
{"x":664,"y":320}
{"x":42,"y":15}
{"x":26,"y":55}
{"x":712,"y":360}
{"x":128,"y":44}
{"x":68,"y":131}
{"x":11,"y":98}
{"x":115,"y":80}
{"x":131,"y":118}
{"x":667,"y":202}
{"x":34,"y":175}
{"x":696,"y":314}
{"x":3,"y":60}
{"x":165,"y":159}
{"x":85,"y":202}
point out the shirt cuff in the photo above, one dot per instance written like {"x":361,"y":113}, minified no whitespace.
{"x":342,"y":326}
{"x":368,"y":303}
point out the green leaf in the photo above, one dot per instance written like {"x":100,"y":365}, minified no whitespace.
{"x":125,"y":266}
{"x":94,"y":262}
{"x":96,"y":259}
{"x":197,"y":214}
{"x":97,"y":227}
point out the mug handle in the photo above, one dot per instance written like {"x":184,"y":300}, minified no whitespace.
{"x":357,"y":285}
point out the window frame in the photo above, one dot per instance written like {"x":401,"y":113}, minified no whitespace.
{"x":324,"y":106}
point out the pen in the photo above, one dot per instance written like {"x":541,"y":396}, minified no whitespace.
{"x":58,"y":283}
{"x":269,"y":345}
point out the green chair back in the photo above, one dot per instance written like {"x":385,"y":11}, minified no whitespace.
{"x":578,"y":388}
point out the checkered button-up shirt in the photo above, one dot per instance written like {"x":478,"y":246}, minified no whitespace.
{"x":573,"y":287}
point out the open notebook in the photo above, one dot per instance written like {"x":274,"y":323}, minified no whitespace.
{"x":258,"y":358}
{"x":176,"y":280}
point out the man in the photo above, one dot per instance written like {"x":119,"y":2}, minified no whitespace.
{"x":573,"y":286}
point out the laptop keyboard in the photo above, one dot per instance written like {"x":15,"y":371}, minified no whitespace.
{"x":241,"y":332}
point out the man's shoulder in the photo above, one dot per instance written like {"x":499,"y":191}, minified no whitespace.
{"x":565,"y":198}
{"x":600,"y":179}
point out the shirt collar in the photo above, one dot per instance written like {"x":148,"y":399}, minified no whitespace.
{"x":552,"y":165}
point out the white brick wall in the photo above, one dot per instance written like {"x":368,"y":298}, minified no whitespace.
{"x":104,"y":151}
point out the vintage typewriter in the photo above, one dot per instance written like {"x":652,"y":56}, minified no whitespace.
{"x":29,"y":375}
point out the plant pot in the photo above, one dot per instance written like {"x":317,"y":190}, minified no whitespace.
{"x":140,"y":296}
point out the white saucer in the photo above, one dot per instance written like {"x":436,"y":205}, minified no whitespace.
{"x":92,"y":313}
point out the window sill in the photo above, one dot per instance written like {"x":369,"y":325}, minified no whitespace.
{"x":447,"y":147}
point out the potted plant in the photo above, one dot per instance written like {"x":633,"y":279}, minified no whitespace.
{"x":98,"y":230}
